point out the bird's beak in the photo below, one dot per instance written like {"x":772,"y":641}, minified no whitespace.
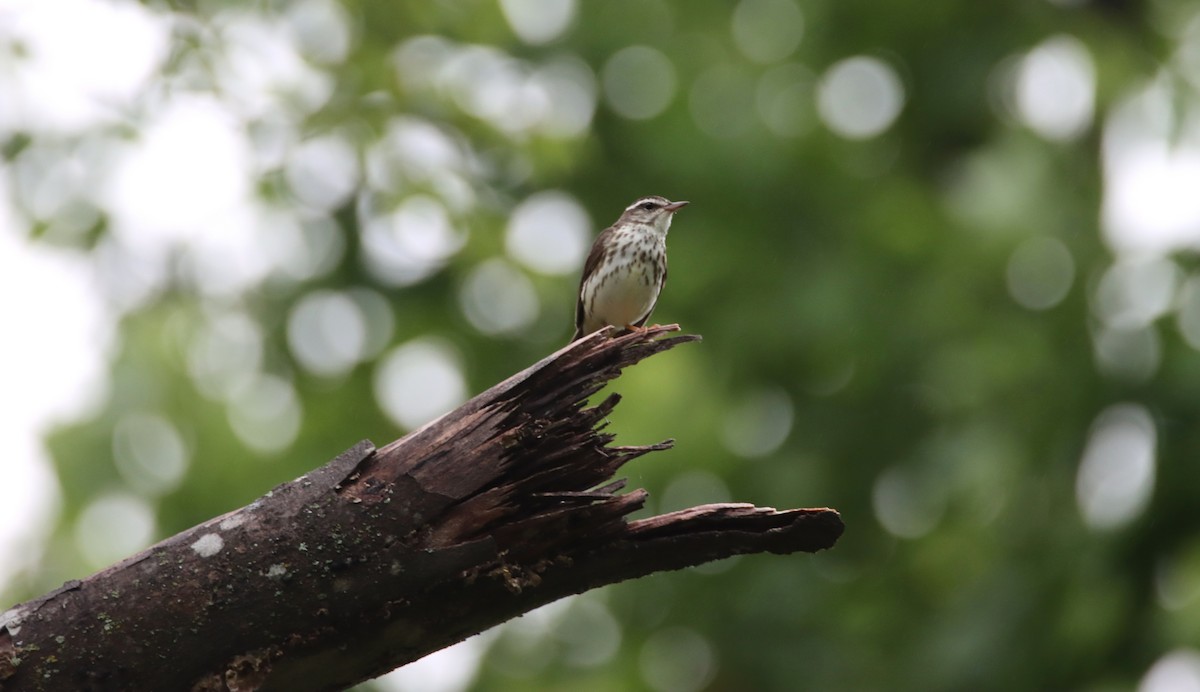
{"x":675,"y":206}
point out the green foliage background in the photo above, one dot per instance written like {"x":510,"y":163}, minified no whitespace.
{"x":861,"y":282}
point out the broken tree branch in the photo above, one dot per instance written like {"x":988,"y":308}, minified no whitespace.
{"x":385,"y":555}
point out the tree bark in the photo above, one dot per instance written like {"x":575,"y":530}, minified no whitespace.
{"x":385,"y":555}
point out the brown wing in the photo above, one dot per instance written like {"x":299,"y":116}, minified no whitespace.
{"x":589,"y":266}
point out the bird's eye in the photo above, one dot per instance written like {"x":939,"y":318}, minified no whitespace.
{"x":649,"y":205}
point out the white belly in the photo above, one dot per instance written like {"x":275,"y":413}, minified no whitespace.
{"x":621,"y":299}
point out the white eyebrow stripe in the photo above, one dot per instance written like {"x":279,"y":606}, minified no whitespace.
{"x":642,"y":201}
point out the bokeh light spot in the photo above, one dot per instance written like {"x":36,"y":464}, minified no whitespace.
{"x":1151,"y":154}
{"x":447,"y":670}
{"x":527,"y":644}
{"x":50,"y":179}
{"x":677,"y":659}
{"x":419,"y":381}
{"x":79,"y":73}
{"x":411,"y":243}
{"x":570,"y":86}
{"x":785,"y":100}
{"x":260,"y":70}
{"x":307,"y":247}
{"x":1116,"y":474}
{"x":412,"y":150}
{"x":1177,"y":578}
{"x":150,"y":454}
{"x":321,"y":29}
{"x":1188,"y":54}
{"x":1132,"y":355}
{"x":860,"y":97}
{"x":322,"y":172}
{"x":1039,"y":273}
{"x":265,"y":413}
{"x":186,"y":172}
{"x":327,"y":332}
{"x":1134,"y":293}
{"x":993,"y":189}
{"x":905,"y":503}
{"x":538,"y":21}
{"x":498,"y":298}
{"x":1189,"y":312}
{"x":380,"y":320}
{"x":1175,"y":671}
{"x":759,"y":423}
{"x":639,"y":82}
{"x":548,"y":232}
{"x":693,"y":488}
{"x":767,"y":31}
{"x":228,"y":350}
{"x":1055,"y":88}
{"x":555,"y":98}
{"x":54,"y":364}
{"x":113,"y":526}
{"x":590,"y":634}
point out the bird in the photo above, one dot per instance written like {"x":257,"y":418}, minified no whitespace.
{"x":626,"y":269}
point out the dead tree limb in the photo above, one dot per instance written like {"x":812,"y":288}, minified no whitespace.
{"x":385,"y":555}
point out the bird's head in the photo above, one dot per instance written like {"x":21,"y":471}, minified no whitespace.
{"x":652,"y":211}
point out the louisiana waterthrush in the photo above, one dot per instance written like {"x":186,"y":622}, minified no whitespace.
{"x":626,"y":269}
